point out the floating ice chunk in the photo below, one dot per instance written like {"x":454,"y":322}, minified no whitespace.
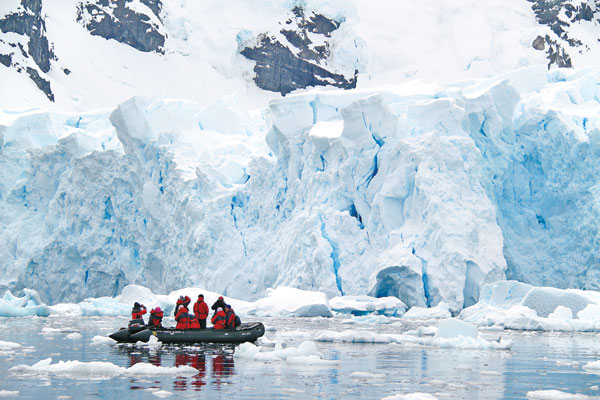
{"x":561,"y":312}
{"x":28,"y":305}
{"x":9,"y":393}
{"x":310,"y":360}
{"x":555,"y":395}
{"x":423,"y":331}
{"x":357,"y":337}
{"x":361,"y":305}
{"x":411,"y":396}
{"x":367,"y":375}
{"x":6,"y":346}
{"x":97,"y":340}
{"x":162,"y":393}
{"x":146,"y":369}
{"x":74,"y":336}
{"x":453,"y":328}
{"x":305,"y":353}
{"x":292,"y":302}
{"x":593,"y":367}
{"x":99,"y":369}
{"x":442,"y":310}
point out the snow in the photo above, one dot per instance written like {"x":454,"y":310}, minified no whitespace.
{"x":98,"y":369}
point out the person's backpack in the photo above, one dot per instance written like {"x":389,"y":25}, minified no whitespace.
{"x":238,"y":321}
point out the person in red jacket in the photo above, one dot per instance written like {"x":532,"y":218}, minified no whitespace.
{"x":229,"y":317}
{"x":156,"y":316}
{"x":201,"y":311}
{"x":182,"y":317}
{"x":137,"y":311}
{"x":218,"y":319}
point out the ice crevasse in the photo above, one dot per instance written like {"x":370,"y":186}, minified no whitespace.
{"x":422,"y":191}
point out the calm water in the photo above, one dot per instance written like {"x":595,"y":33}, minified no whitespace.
{"x":538,"y":361}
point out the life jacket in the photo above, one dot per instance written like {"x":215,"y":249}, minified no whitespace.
{"x":219,"y":320}
{"x":155,"y":318}
{"x":201,"y":309}
{"x":182,"y":318}
{"x":136,"y":313}
{"x":230,"y":319}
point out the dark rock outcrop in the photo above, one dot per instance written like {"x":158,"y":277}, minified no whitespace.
{"x":30,"y":23}
{"x":559,"y":16}
{"x":283,"y":69}
{"x":113,"y":19}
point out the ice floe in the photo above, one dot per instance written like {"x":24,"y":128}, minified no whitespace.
{"x":98,"y":369}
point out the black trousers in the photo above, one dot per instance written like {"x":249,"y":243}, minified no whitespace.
{"x":202,"y":323}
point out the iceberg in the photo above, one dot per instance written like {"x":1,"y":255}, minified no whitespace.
{"x":363,"y":305}
{"x":515,"y":305}
{"x":28,"y":305}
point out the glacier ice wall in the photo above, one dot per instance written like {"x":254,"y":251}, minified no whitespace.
{"x":421,"y":191}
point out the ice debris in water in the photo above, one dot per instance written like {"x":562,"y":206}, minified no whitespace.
{"x":99,"y":369}
{"x":516,"y":305}
{"x":28,"y":305}
{"x":306,"y":353}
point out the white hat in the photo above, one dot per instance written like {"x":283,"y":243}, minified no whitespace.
{"x":219,"y":309}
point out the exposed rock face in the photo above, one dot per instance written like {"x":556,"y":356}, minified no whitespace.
{"x":300,"y":64}
{"x":28,"y":21}
{"x":117,"y":19}
{"x":559,"y":16}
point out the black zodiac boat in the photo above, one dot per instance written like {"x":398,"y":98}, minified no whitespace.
{"x":123,"y":335}
{"x":248,"y":332}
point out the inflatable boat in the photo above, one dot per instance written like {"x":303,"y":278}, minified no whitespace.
{"x":248,"y":332}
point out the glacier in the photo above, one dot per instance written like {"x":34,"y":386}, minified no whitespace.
{"x":424,"y":191}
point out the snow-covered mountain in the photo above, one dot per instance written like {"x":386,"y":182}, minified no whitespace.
{"x":82,"y":54}
{"x":424,"y":189}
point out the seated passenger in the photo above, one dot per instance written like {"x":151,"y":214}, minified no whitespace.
{"x":156,"y":316}
{"x":231,"y":320}
{"x":219,"y":319}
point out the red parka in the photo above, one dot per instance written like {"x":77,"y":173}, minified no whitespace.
{"x":184,"y":320}
{"x":201,"y":309}
{"x":219,"y":319}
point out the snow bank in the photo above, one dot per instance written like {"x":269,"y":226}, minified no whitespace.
{"x":28,"y":305}
{"x":362,"y":305}
{"x":516,"y":305}
{"x":99,"y":369}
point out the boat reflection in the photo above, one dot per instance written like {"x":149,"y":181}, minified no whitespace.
{"x":215,"y":363}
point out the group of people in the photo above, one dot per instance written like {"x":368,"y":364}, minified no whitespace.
{"x":223,"y":317}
